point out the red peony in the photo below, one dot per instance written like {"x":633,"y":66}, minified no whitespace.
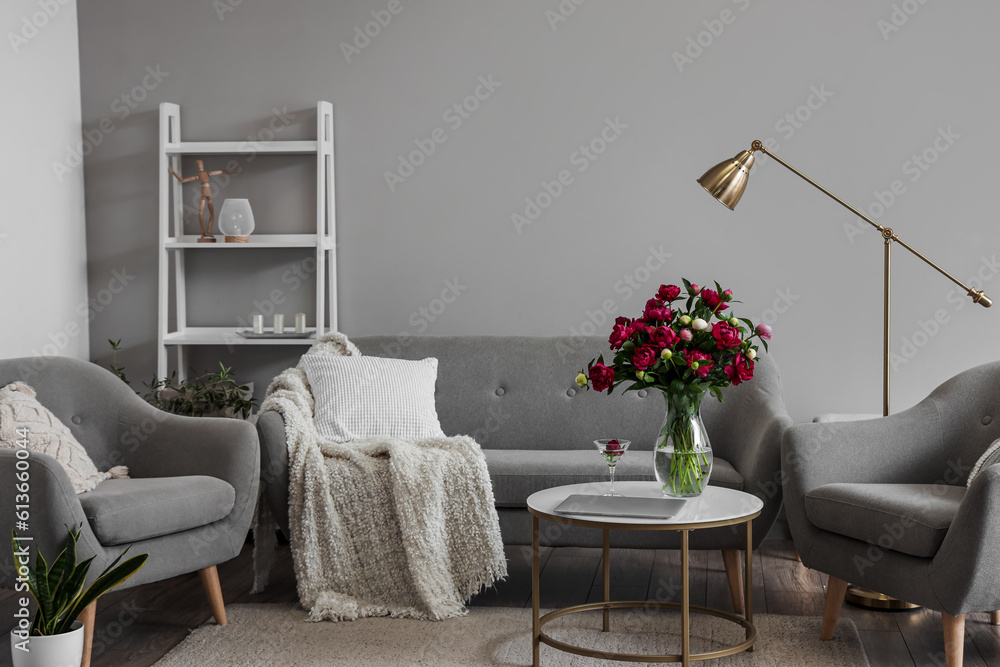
{"x":644,"y":357}
{"x":740,"y":371}
{"x":704,"y":360}
{"x":712,"y":299}
{"x":726,"y":336}
{"x":663,"y":337}
{"x":693,"y":289}
{"x":619,"y":334}
{"x":602,"y":377}
{"x":668,"y":293}
{"x":624,"y":321}
{"x":656,"y":311}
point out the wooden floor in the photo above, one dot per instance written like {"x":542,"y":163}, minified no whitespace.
{"x":136,"y":627}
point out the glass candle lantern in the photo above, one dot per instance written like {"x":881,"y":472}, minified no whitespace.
{"x":236,"y":220}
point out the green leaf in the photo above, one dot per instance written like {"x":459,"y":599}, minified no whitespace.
{"x":102,"y":585}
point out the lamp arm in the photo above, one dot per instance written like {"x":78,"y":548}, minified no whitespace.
{"x":887,"y":233}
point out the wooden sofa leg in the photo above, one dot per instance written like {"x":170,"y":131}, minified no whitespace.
{"x":734,"y":573}
{"x":836,"y":590}
{"x":88,"y":617}
{"x":954,"y":639}
{"x":210,"y":582}
{"x":995,"y":617}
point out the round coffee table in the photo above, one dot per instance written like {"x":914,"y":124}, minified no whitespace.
{"x":716,"y":507}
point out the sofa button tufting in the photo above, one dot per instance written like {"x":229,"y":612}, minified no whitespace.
{"x":987,"y":420}
{"x":642,"y":393}
{"x":76,"y":419}
{"x":571,"y":392}
{"x":499,"y":391}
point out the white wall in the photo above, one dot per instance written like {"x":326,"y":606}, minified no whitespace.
{"x":42,"y":235}
{"x":884,"y":95}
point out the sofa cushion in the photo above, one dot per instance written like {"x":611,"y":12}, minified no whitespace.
{"x":517,"y":473}
{"x":122,"y":511}
{"x":910,"y":518}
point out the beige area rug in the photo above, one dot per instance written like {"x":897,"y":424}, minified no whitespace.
{"x":269,"y":634}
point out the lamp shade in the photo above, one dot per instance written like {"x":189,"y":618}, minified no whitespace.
{"x":727,"y":180}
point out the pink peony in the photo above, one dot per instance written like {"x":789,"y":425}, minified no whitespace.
{"x":663,"y":337}
{"x":704,"y":360}
{"x":645,"y":357}
{"x":712,"y":299}
{"x":601,"y":376}
{"x":693,"y":289}
{"x":656,"y":311}
{"x":685,"y":334}
{"x":668,"y":293}
{"x":741,"y":370}
{"x":726,"y":336}
{"x":619,"y":334}
{"x":764,"y":330}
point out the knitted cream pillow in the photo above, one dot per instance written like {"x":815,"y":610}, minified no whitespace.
{"x":989,"y":457}
{"x":19,"y":409}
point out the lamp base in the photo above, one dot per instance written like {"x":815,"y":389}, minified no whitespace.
{"x":206,"y":239}
{"x":237,"y":239}
{"x":869,"y":599}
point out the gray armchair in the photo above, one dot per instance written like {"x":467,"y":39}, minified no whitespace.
{"x":188,"y":503}
{"x":883,"y":503}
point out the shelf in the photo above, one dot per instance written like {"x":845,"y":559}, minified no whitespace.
{"x":227,"y":336}
{"x":239,"y":147}
{"x":256,"y":241}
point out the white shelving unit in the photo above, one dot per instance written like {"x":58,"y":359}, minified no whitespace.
{"x":174,"y":243}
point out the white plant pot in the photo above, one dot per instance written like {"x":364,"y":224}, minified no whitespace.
{"x":65,"y":650}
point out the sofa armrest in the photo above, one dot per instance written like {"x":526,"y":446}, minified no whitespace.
{"x":53,"y":508}
{"x":274,"y":465}
{"x":965,"y":573}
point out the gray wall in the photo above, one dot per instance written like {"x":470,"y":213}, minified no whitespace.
{"x":42,"y":235}
{"x":835,"y":88}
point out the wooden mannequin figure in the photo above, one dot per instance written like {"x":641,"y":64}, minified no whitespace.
{"x":206,"y":197}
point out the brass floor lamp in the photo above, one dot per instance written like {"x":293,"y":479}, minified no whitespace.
{"x":726,"y":182}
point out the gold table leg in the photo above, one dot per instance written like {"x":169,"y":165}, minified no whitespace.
{"x":607,"y":578}
{"x":685,"y":604}
{"x":748,"y":580}
{"x":535,"y":606}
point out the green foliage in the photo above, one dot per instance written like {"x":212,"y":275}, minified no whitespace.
{"x":59,"y":590}
{"x":211,"y":394}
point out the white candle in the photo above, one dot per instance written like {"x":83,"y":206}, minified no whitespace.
{"x":258,"y":323}
{"x":279,"y":323}
{"x":300,"y":322}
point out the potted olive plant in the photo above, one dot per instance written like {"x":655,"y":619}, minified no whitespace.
{"x":54,"y":638}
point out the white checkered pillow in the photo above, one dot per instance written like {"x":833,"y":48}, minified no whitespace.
{"x":361,"y":397}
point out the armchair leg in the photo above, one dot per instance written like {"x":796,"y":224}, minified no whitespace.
{"x":88,"y":617}
{"x":954,"y":639}
{"x":836,"y":589}
{"x":734,"y":574}
{"x":210,"y":582}
{"x":995,"y":617}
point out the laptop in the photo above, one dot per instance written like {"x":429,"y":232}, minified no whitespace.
{"x":621,"y":506}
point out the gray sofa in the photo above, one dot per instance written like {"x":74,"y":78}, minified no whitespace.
{"x":517,"y":397}
{"x":883,"y":503}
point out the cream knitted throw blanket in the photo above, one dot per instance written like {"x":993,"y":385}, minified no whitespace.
{"x":381,"y":526}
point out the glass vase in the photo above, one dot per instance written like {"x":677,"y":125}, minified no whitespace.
{"x":682,"y":459}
